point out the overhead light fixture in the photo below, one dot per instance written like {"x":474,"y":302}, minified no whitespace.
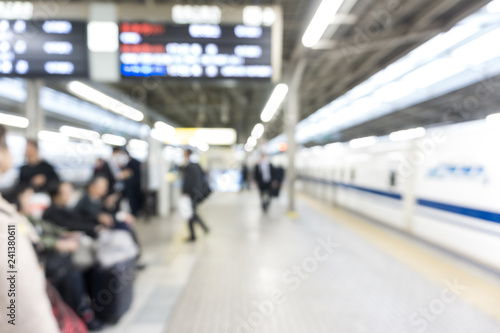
{"x":363,"y":142}
{"x":274,"y":102}
{"x":408,"y":134}
{"x":248,"y":148}
{"x":165,"y":128}
{"x":14,"y":121}
{"x":258,"y":131}
{"x":135,"y":144}
{"x":92,"y":95}
{"x":323,"y":17}
{"x":114,"y":140}
{"x":79,"y":133}
{"x":52,"y":136}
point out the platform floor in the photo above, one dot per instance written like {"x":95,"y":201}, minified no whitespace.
{"x":324,"y":271}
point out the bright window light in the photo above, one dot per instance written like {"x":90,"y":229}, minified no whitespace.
{"x":114,"y":140}
{"x":274,"y":102}
{"x":493,"y":119}
{"x":363,"y":142}
{"x":408,"y":134}
{"x":52,"y":136}
{"x":80,"y":133}
{"x":217,"y":136}
{"x":105,"y":101}
{"x":258,"y":131}
{"x":494,"y":7}
{"x":323,"y":17}
{"x":393,"y":91}
{"x":14,"y":121}
{"x":433,"y":72}
{"x":135,"y":144}
{"x":479,"y":50}
{"x":102,"y":36}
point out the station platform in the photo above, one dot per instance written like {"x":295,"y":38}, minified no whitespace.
{"x":326,"y":270}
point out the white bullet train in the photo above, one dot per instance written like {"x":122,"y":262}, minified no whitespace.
{"x":443,"y":187}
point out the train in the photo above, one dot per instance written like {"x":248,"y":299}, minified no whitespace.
{"x":441,"y":186}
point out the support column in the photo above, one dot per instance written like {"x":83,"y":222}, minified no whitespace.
{"x":33,"y":110}
{"x":291,"y":120}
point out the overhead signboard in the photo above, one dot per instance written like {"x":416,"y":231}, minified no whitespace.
{"x":206,"y":51}
{"x":43,"y":48}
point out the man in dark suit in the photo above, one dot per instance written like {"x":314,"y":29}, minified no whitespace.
{"x":193,"y":187}
{"x":263,"y":174}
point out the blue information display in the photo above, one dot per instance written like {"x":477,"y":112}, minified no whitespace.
{"x":195,"y":51}
{"x":43,"y":48}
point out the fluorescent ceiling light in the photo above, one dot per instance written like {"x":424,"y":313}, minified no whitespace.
{"x":114,"y":140}
{"x":105,"y":101}
{"x":52,"y":136}
{"x":165,"y":128}
{"x":80,"y":133}
{"x":493,"y":119}
{"x":252,"y":142}
{"x":323,"y":17}
{"x":135,"y":144}
{"x":409,"y":134}
{"x":258,"y":131}
{"x":274,"y":102}
{"x":248,"y":148}
{"x":363,"y":142}
{"x":102,"y":37}
{"x":14,"y":121}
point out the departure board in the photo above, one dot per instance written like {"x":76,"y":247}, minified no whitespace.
{"x":204,"y":51}
{"x":43,"y":48}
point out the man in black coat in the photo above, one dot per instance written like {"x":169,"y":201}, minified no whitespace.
{"x":36,"y":173}
{"x":193,"y":187}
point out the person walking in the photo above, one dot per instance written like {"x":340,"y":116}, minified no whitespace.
{"x":263,"y":174}
{"x":193,"y":188}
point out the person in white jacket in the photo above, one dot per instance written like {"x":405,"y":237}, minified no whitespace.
{"x":24,"y":304}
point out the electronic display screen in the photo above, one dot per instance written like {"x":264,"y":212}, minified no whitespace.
{"x":43,"y":48}
{"x":205,"y":51}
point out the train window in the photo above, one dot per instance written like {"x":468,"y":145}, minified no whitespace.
{"x":393,"y":179}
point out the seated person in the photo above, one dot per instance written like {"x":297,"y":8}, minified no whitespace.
{"x":94,"y":207}
{"x":54,"y":248}
{"x":59,"y":213}
{"x":37,"y":172}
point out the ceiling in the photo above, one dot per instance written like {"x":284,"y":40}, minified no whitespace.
{"x":376,"y":33}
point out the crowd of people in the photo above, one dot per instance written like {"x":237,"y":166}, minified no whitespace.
{"x":53,"y":293}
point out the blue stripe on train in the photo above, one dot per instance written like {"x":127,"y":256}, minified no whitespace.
{"x":465,"y":211}
{"x":469,"y":212}
{"x":391,"y":195}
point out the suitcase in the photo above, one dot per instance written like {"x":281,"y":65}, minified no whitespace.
{"x":111,"y":290}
